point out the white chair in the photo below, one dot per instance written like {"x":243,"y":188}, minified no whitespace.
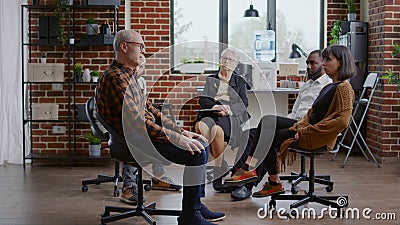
{"x":355,"y":124}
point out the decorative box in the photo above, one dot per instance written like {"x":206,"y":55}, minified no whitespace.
{"x":45,"y":111}
{"x":45,"y":72}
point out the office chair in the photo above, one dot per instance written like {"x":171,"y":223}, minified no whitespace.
{"x":297,"y":178}
{"x":310,"y":196}
{"x":104,"y":136}
{"x":360,"y":108}
{"x":120,"y":151}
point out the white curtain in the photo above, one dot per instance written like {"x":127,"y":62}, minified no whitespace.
{"x":10,"y":82}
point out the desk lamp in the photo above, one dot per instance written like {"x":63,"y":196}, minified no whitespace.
{"x":295,"y":52}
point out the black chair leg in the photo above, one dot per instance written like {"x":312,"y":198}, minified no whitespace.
{"x":140,"y":210}
{"x":105,"y":179}
{"x":311,"y":196}
{"x":297,"y":178}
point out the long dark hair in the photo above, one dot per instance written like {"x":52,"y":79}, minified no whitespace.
{"x":347,"y":64}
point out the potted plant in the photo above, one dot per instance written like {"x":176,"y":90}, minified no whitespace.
{"x":396,"y":51}
{"x":43,"y":58}
{"x":61,"y":12}
{"x":189,"y":65}
{"x":335,"y":32}
{"x":91,"y":26}
{"x":95,"y":75}
{"x":393,"y":78}
{"x":94,"y":144}
{"x":78,"y":72}
{"x":351,"y":10}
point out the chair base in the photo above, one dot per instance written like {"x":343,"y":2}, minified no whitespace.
{"x":105,"y":179}
{"x":143,"y":211}
{"x":297,"y":178}
{"x":309,"y":197}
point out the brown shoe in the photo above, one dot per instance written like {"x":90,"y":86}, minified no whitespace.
{"x":242,"y":177}
{"x":129,"y":195}
{"x":268,"y":190}
{"x":165,"y":183}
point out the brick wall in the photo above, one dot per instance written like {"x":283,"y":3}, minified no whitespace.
{"x":152,"y":19}
{"x":383,"y":129}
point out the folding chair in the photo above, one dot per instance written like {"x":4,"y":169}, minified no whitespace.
{"x":355,"y":124}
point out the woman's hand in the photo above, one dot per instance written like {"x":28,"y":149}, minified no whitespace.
{"x":223,"y":110}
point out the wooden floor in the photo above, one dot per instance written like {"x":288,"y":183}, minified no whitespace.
{"x":44,"y":195}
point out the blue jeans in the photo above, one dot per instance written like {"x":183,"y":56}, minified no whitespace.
{"x":193,"y":175}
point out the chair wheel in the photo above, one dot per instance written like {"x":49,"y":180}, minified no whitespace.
{"x":85,"y":188}
{"x":294,"y":190}
{"x":147,"y":187}
{"x":272,"y":204}
{"x":116,"y":193}
{"x":329,"y":188}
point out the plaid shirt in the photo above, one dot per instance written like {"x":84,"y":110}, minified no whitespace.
{"x":118,"y":86}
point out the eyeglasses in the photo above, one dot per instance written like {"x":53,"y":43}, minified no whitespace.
{"x":226,"y":59}
{"x":141,"y":45}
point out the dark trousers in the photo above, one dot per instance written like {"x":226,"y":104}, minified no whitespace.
{"x":271,"y":132}
{"x":193,"y":175}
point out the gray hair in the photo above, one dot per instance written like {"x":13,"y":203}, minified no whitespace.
{"x":121,"y":36}
{"x":235,"y":54}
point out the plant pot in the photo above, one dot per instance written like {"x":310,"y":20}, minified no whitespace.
{"x":351,"y":17}
{"x":192,"y":68}
{"x":43,"y":60}
{"x":94,"y":79}
{"x":94,"y":150}
{"x":91,"y":29}
{"x":78,"y":78}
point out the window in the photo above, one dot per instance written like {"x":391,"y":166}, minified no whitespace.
{"x":210,"y":21}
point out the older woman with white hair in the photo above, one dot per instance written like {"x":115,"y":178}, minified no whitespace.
{"x":224,"y":109}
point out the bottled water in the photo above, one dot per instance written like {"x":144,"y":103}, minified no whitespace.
{"x":264,"y":45}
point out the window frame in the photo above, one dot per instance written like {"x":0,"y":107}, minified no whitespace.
{"x":223,"y":25}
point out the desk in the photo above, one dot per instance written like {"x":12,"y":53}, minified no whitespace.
{"x":268,"y":102}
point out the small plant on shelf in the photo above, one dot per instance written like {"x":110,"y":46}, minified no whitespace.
{"x":91,"y":26}
{"x":192,"y":60}
{"x":78,"y":72}
{"x":351,"y":6}
{"x":95,"y":75}
{"x":91,"y":21}
{"x":91,"y":139}
{"x":43,"y":57}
